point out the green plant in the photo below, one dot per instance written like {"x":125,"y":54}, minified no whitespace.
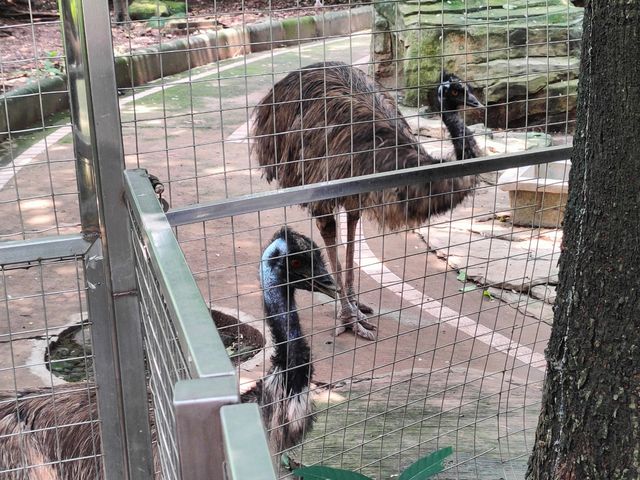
{"x":423,"y":469}
{"x":52,"y":65}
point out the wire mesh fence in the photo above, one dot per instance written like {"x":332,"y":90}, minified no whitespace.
{"x":462,"y":310}
{"x":34,"y":130}
{"x":47,"y":371}
{"x":165,"y":360}
{"x":191,"y":128}
{"x":461,"y":303}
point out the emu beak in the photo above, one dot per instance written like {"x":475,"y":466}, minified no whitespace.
{"x":324,"y":283}
{"x":472,"y":101}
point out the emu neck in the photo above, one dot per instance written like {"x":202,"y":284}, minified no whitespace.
{"x":281,"y":310}
{"x":463,"y":142}
{"x":292,"y":354}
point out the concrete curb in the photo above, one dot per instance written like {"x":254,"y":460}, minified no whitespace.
{"x":20,"y":108}
{"x":29,"y":105}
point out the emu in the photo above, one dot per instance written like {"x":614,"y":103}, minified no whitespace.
{"x":292,"y":261}
{"x":57,"y":441}
{"x":329,"y":121}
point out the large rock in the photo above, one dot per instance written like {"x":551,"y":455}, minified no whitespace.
{"x":524,"y":53}
{"x":146,"y":9}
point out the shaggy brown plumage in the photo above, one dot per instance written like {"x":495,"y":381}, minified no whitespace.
{"x":51,"y":434}
{"x":330,"y":121}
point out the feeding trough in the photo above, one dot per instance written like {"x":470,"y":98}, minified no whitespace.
{"x":537,"y":193}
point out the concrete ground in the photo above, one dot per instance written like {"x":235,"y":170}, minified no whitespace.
{"x":461,"y":330}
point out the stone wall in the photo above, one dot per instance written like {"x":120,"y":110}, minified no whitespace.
{"x":522,"y":52}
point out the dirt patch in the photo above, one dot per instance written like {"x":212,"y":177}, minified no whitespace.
{"x":31,"y":48}
{"x":242,"y":341}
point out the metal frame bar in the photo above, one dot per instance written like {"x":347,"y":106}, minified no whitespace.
{"x":199,"y":427}
{"x":198,"y":336}
{"x":244,"y":439}
{"x":46,"y":248}
{"x":365,"y":183}
{"x":100,"y":162}
{"x":103,"y":338}
{"x":197,"y":402}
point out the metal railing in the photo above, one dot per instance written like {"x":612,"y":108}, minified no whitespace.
{"x":190,"y":375}
{"x":180,"y":339}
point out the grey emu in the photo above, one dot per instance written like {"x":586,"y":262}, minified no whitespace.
{"x":56,"y":440}
{"x":329,"y":121}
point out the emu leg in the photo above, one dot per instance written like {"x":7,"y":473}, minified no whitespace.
{"x":352,"y":222}
{"x":349,"y":314}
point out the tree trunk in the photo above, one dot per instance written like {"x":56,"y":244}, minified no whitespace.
{"x":589,"y":427}
{"x":121,"y":11}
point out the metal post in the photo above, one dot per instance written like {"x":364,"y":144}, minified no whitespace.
{"x":197,"y":406}
{"x":245,"y":443}
{"x":104,"y":345}
{"x":100,"y":162}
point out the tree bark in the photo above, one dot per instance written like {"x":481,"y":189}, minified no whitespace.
{"x":589,"y":426}
{"x":121,"y":11}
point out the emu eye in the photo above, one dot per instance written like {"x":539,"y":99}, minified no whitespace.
{"x":295,"y":263}
{"x":454,"y":92}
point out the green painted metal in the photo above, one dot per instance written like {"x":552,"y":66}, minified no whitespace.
{"x":245,"y":443}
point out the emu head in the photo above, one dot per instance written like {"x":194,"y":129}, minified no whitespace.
{"x":453,"y":93}
{"x":295,"y":260}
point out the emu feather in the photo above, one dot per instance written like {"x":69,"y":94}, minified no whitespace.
{"x":329,"y":121}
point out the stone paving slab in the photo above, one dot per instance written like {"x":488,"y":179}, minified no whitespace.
{"x":518,"y":265}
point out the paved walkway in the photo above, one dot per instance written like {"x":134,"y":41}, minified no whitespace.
{"x":449,"y":353}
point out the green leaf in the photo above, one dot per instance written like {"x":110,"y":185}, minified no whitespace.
{"x":427,"y":466}
{"x":285,"y":461}
{"x":470,"y":287}
{"x":319,"y":472}
{"x":462,"y":276}
{"x":487,"y":293}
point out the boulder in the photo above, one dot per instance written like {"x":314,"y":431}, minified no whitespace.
{"x":522,"y":52}
{"x":144,"y":10}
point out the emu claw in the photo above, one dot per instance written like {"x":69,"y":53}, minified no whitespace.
{"x":358,"y":325}
{"x":340,"y":329}
{"x":361,"y":331}
{"x":366,"y":309}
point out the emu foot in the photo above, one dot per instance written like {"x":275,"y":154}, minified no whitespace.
{"x":356,"y":322}
{"x":366,"y":309}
